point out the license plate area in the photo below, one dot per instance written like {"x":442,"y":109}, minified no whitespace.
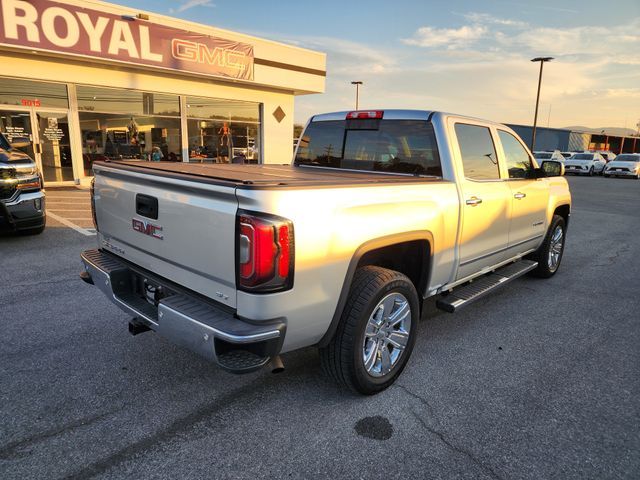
{"x":149,"y":289}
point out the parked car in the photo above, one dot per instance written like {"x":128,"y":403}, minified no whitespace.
{"x":567,"y":154}
{"x":608,"y":156}
{"x":379,"y":210}
{"x":625,"y":165}
{"x":549,"y":155}
{"x":22,"y":197}
{"x":585,"y":163}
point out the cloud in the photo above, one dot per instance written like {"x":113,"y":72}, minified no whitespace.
{"x":191,"y":4}
{"x":586,"y":40}
{"x":346,"y":58}
{"x":487,"y":34}
{"x":623,"y":92}
{"x":451,"y":38}
{"x":485,"y":18}
{"x":541,"y":7}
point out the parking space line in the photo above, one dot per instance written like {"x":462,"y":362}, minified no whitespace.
{"x":56,"y":197}
{"x":72,"y":225}
{"x":68,"y":209}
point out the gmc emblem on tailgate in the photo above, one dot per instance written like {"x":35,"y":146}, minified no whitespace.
{"x":147,"y":228}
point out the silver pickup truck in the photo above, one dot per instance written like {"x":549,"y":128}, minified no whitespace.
{"x":378,"y":211}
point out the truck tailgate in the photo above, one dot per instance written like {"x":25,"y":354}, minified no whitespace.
{"x":189,"y":240}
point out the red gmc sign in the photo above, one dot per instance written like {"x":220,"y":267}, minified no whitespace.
{"x":45,"y":25}
{"x":147,"y":228}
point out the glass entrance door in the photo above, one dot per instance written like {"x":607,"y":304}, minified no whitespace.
{"x":48,"y":132}
{"x":54,"y":146}
{"x":16,"y":124}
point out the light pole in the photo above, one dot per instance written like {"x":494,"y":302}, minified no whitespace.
{"x":357,"y":84}
{"x":535,"y":118}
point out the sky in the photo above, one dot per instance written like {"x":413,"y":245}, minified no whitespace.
{"x":462,"y":56}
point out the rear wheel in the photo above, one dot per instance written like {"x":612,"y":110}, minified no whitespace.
{"x":549,"y":254}
{"x":376,"y":333}
{"x":591,"y":172}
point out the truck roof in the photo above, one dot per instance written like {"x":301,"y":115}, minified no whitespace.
{"x":389,"y":114}
{"x":399,"y":114}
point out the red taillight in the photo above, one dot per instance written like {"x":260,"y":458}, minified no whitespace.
{"x":265,"y":253}
{"x":284,"y":258}
{"x":365,"y":114}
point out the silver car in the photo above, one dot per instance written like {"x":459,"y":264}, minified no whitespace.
{"x":625,"y":165}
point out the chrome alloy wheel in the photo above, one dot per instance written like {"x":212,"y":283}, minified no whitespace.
{"x":555,"y":248}
{"x":387,"y":334}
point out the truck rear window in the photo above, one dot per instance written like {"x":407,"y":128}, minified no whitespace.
{"x":393,"y":146}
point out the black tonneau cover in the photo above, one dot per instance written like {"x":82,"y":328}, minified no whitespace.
{"x":263,"y":176}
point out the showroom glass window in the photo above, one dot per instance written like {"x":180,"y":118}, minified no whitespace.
{"x":18,"y":92}
{"x":479,"y":158}
{"x":223,"y":131}
{"x":516,"y":157}
{"x":128,"y":125}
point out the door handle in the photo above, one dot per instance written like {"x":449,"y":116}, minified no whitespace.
{"x":520,"y":195}
{"x":473,"y":201}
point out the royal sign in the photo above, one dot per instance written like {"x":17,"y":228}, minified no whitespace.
{"x":43,"y":25}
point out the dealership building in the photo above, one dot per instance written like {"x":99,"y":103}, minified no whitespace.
{"x":88,"y":80}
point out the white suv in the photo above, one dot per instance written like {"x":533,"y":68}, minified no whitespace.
{"x":625,"y":165}
{"x":586,"y":163}
{"x":555,"y":155}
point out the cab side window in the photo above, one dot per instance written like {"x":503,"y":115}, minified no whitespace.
{"x":479,"y":158}
{"x":516,"y":157}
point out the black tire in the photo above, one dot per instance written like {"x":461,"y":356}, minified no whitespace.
{"x":544,"y":270}
{"x":591,"y":172}
{"x":342,"y":359}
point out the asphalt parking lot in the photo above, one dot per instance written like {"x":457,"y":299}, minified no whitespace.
{"x":539,"y":381}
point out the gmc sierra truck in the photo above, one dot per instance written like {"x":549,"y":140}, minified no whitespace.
{"x":378,"y":211}
{"x":22,"y":197}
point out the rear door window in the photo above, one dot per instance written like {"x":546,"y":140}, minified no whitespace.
{"x":479,"y":158}
{"x":393,"y":146}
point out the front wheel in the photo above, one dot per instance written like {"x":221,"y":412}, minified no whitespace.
{"x":549,"y":254}
{"x":591,"y":172}
{"x":376,"y":332}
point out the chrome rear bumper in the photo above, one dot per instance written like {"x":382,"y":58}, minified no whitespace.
{"x":215,"y":333}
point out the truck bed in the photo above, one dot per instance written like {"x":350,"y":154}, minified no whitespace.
{"x":263,"y":176}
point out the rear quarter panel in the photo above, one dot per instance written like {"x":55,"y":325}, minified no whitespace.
{"x":330,"y":225}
